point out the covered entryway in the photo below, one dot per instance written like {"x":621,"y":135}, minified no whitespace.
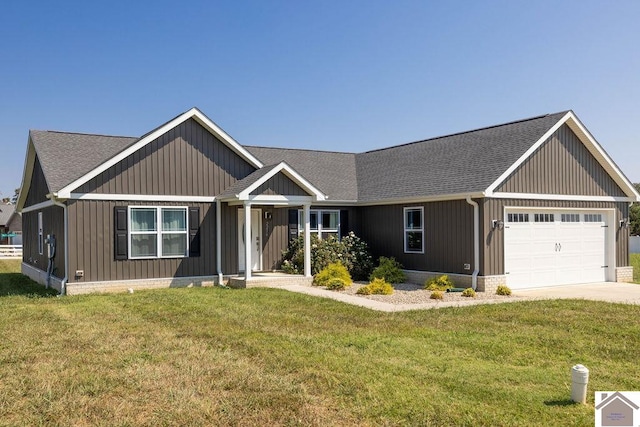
{"x":556,"y":247}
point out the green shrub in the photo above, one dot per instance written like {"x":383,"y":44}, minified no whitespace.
{"x":388,"y":269}
{"x":441,"y":283}
{"x":351,"y":251}
{"x":503,"y":290}
{"x":333,"y":271}
{"x":469,"y":292}
{"x":337,"y":284}
{"x":376,"y":287}
{"x":437,"y":295}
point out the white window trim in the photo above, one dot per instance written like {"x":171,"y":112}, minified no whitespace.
{"x":406,"y":230}
{"x":319,"y":230}
{"x":40,"y":235}
{"x":158,"y":232}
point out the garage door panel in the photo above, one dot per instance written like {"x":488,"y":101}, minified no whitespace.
{"x":555,"y":253}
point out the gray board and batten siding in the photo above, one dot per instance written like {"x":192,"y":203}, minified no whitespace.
{"x":562,"y":165}
{"x":199,"y":165}
{"x":52,"y":224}
{"x":38,"y":188}
{"x":448,"y":235}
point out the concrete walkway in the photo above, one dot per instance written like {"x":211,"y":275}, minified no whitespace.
{"x":626,"y":293}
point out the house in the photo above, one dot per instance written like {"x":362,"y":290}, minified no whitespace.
{"x":10,"y":225}
{"x":616,"y":410}
{"x":535,"y":202}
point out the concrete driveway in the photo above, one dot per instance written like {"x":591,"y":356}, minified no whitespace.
{"x":627,"y":293}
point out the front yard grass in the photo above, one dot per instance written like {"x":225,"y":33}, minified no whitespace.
{"x":635,"y":262}
{"x":210,"y":356}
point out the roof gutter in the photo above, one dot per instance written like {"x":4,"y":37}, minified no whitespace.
{"x":63,"y":284}
{"x":476,"y":242}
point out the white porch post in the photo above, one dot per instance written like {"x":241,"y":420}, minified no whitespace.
{"x":247,"y":241}
{"x":307,"y":240}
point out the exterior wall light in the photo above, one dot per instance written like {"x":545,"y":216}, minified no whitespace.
{"x":624,"y":223}
{"x":497,"y":224}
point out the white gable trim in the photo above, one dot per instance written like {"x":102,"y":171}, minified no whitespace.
{"x":192,"y":113}
{"x":589,"y":142}
{"x":38,"y":206}
{"x":288,"y":171}
{"x":489,"y":191}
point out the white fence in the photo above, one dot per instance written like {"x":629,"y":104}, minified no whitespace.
{"x":634,"y":244}
{"x":10,"y":251}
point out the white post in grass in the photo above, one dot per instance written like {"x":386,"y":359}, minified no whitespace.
{"x":579,"y":381}
{"x":307,"y":240}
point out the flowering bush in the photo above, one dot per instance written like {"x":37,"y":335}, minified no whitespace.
{"x":351,"y":251}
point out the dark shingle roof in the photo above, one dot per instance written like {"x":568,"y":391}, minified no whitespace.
{"x":5,"y":213}
{"x":65,"y":156}
{"x":466,"y":162}
{"x":244,"y":183}
{"x":332,"y":173}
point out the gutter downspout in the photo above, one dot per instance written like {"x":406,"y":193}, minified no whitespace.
{"x":219,"y":241}
{"x":476,"y":242}
{"x":63,"y":284}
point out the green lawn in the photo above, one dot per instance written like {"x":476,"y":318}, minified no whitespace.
{"x":635,"y":262}
{"x":211,"y":356}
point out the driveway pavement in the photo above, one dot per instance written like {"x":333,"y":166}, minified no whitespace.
{"x":626,"y":293}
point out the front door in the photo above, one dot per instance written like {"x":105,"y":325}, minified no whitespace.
{"x":256,"y":238}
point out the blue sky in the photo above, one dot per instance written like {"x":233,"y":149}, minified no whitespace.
{"x":334,"y":75}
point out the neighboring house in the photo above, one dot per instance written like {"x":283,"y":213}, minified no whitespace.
{"x":6,"y":212}
{"x":535,"y":202}
{"x":14,"y":227}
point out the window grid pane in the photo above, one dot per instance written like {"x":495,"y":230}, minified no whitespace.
{"x":174,"y":220}
{"x":143,"y":219}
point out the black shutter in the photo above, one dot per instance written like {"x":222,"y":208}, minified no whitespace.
{"x":293,"y":224}
{"x":194,"y":231}
{"x":344,"y":223}
{"x":121,"y":226}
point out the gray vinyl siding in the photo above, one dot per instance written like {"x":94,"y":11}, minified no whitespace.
{"x":91,"y":234}
{"x":562,"y":165}
{"x":492,"y":254}
{"x":275,"y":237}
{"x":448,"y":235}
{"x":52,"y":223}
{"x":187,"y":160}
{"x":38,"y":188}
{"x":281,"y":185}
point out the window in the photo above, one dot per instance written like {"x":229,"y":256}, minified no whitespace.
{"x":570,"y":217}
{"x":518,"y":217}
{"x":592,"y":217}
{"x":156,"y":232}
{"x":40,"y":234}
{"x":544,"y":217}
{"x":324,"y":223}
{"x":413,"y":230}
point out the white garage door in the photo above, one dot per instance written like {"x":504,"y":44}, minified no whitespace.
{"x":544,"y":248}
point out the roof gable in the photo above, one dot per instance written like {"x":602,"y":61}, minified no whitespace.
{"x":193,"y":113}
{"x":333,"y":173}
{"x":590,"y":144}
{"x":244,"y":188}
